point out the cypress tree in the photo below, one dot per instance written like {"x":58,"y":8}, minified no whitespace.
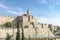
{"x":29,"y":37}
{"x":8,"y":37}
{"x":18,"y":32}
{"x":18,"y":35}
{"x":22,"y":33}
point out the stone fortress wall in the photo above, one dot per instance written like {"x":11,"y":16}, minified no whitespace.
{"x":42,"y":29}
{"x":28,"y":22}
{"x":27,"y":32}
{"x":5,"y":19}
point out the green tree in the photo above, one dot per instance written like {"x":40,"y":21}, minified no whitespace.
{"x":8,"y":24}
{"x":35,"y":28}
{"x":18,"y":35}
{"x":23,"y":34}
{"x":18,"y":32}
{"x":29,"y":37}
{"x":8,"y":37}
{"x":32,"y":24}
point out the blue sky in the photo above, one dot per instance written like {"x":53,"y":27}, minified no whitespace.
{"x":46,"y":11}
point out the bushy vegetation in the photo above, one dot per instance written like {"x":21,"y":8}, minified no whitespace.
{"x":8,"y":24}
{"x":8,"y":37}
{"x":32,"y":24}
{"x":53,"y":33}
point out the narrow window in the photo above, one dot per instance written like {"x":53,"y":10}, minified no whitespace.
{"x":42,"y":26}
{"x":28,"y":18}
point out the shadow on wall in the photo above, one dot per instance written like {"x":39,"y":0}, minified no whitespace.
{"x":13,"y":23}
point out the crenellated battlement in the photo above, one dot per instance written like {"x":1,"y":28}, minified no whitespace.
{"x":28,"y":22}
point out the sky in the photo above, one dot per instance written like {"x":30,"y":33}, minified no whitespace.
{"x":46,"y":11}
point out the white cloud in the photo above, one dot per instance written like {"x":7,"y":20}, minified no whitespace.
{"x":7,"y":9}
{"x":50,"y":3}
{"x":15,"y":12}
{"x":52,"y":7}
{"x":20,"y":9}
{"x":54,"y":20}
{"x":41,"y":1}
{"x":57,"y":1}
{"x":3,"y":6}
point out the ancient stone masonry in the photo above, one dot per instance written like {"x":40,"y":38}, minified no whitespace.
{"x":28,"y":22}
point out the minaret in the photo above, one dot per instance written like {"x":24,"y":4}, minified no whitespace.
{"x":27,"y":11}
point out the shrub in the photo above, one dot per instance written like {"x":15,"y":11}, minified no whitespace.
{"x":32,"y":24}
{"x":8,"y":37}
{"x":8,"y":24}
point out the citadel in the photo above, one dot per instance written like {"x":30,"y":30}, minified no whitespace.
{"x":30,"y":25}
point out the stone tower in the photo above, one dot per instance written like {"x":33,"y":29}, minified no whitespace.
{"x":28,"y":11}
